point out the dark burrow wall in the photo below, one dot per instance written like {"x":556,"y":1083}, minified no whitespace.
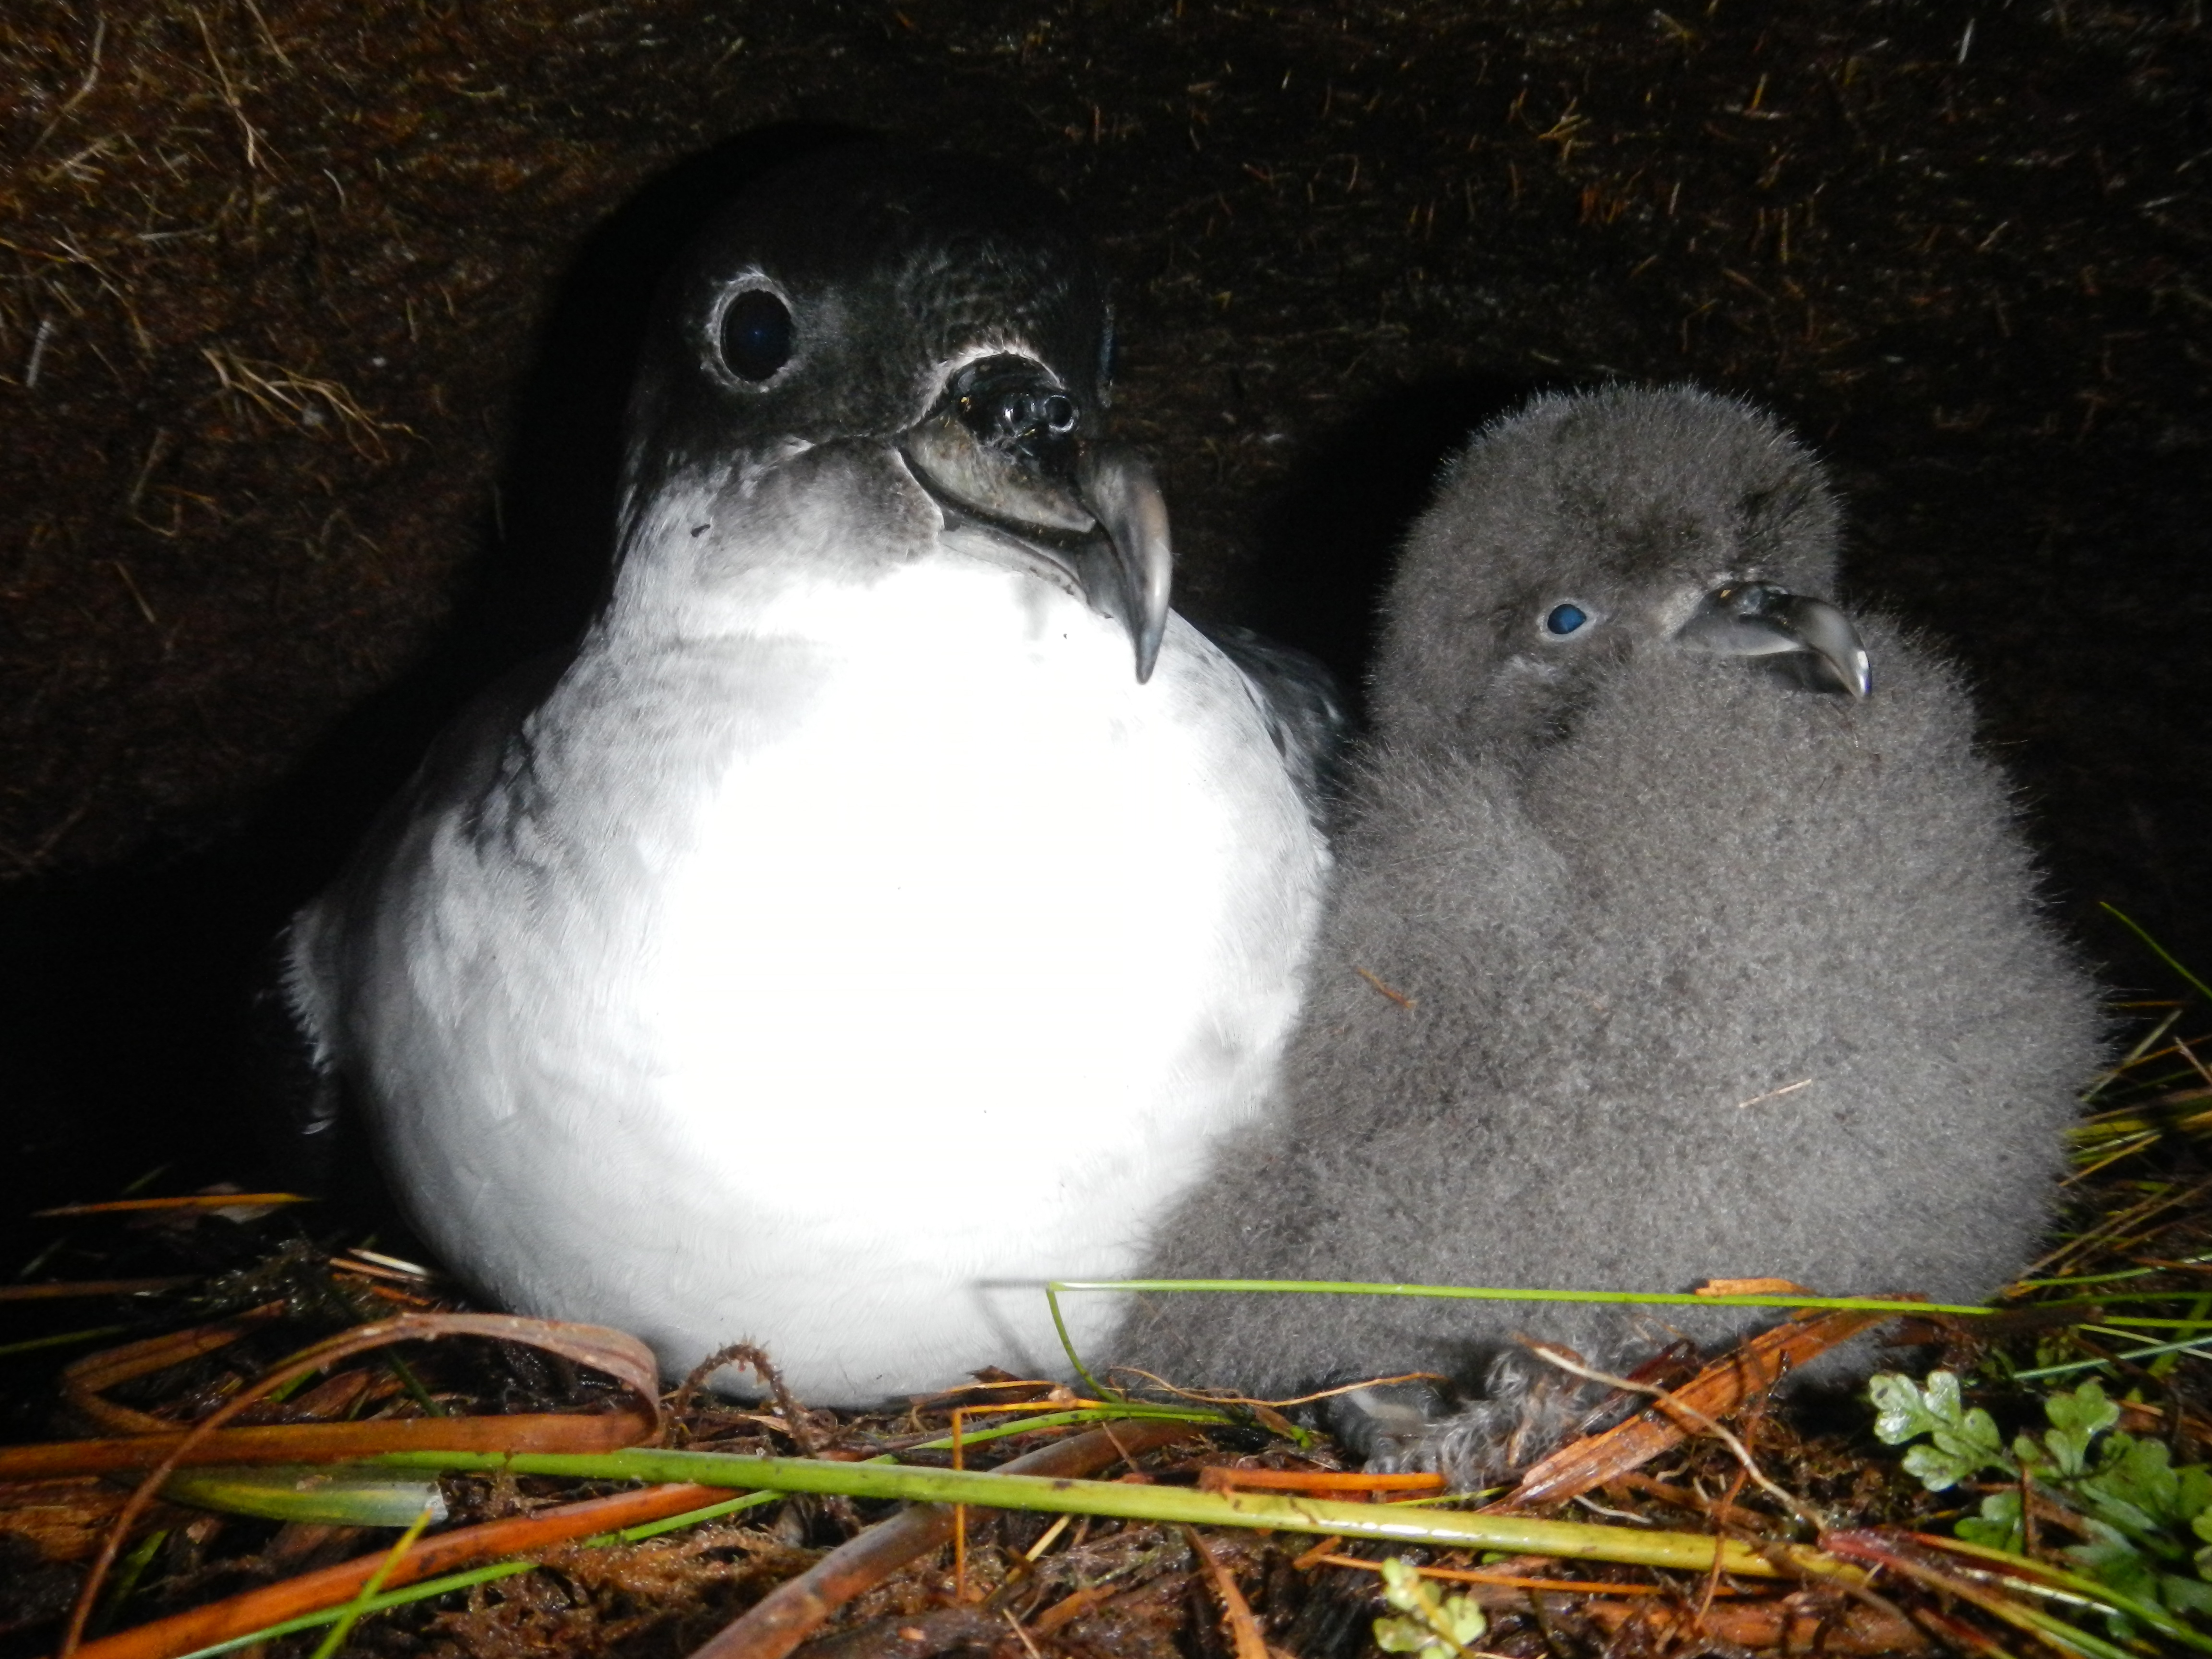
{"x":313,"y":321}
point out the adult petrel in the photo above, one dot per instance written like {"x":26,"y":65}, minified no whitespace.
{"x":887,"y":899}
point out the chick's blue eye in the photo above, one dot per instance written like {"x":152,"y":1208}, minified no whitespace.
{"x":1565,"y":619}
{"x":755,"y":335}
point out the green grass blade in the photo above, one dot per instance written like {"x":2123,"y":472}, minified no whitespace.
{"x":2160,"y":951}
{"x":2024,"y":1574}
{"x":1496,"y":1293}
{"x":349,"y":1615}
{"x":1387,"y":1523}
{"x":1067,"y":1344}
{"x":64,"y":1340}
{"x":430,"y":1589}
{"x":362,"y":1606}
{"x":307,"y":1493}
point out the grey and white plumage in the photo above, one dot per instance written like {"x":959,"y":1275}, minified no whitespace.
{"x":1699,"y":965}
{"x":877,"y":911}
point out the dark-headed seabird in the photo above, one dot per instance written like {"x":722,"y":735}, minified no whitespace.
{"x":882,"y":907}
{"x":1682,"y":934}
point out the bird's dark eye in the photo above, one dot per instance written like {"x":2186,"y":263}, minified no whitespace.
{"x":1564,"y":619}
{"x":755,"y":335}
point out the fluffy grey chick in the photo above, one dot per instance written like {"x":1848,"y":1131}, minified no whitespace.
{"x":1665,"y":949}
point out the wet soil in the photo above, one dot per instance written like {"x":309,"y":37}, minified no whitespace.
{"x":315,"y":319}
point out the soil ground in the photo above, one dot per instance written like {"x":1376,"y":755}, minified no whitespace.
{"x":314,"y":320}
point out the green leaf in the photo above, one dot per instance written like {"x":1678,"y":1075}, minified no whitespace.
{"x":2193,"y":1497}
{"x":1403,"y":1586}
{"x":1463,"y":1614}
{"x":2184,"y":1594}
{"x":1977,"y":1437}
{"x":1901,"y":1413}
{"x":2110,"y":1559}
{"x":2076,"y":1419}
{"x":2086,"y":1409}
{"x":2201,"y":1524}
{"x":1999,"y":1526}
{"x":1406,"y":1635}
{"x":1432,"y":1627}
{"x":1962,"y":1443}
{"x":1937,"y":1471}
{"x":2137,"y":1490}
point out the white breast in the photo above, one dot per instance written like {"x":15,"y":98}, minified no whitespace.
{"x":843,"y":980}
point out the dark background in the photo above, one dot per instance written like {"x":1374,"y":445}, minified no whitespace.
{"x":315,"y":319}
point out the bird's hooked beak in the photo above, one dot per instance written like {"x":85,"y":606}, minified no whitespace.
{"x":1001,"y":446}
{"x":1756,"y":619}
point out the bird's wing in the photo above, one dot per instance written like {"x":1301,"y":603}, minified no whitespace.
{"x":1305,"y":709}
{"x":294,"y":1037}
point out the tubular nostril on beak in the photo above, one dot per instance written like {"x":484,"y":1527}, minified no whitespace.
{"x":1027,"y":417}
{"x":1013,"y":403}
{"x":1023,"y":416}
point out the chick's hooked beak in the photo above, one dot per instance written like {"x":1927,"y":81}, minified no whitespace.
{"x":1757,"y":619}
{"x":1002,"y":446}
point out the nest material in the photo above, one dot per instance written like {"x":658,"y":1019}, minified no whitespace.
{"x":2127,"y":1272}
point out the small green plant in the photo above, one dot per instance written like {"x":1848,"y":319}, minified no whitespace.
{"x":2146,"y":1525}
{"x":1432,"y":1626}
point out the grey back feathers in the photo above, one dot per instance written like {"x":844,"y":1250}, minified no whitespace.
{"x":1647,"y":964}
{"x":1303,"y":706}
